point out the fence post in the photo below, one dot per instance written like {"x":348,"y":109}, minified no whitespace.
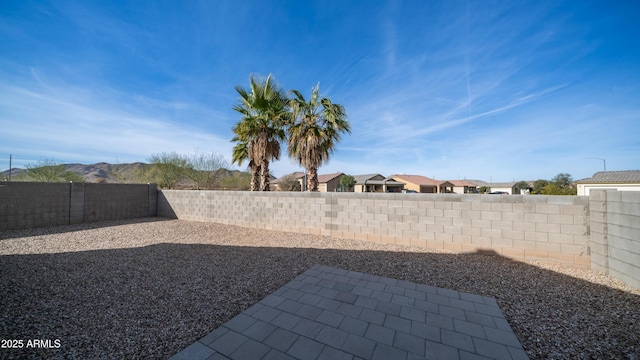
{"x":76,"y":203}
{"x":152,"y":200}
{"x":599,"y":229}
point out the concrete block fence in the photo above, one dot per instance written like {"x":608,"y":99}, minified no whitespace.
{"x":601,"y":231}
{"x":34,"y":204}
{"x":25,"y":205}
{"x":615,"y":234}
{"x":544,"y":228}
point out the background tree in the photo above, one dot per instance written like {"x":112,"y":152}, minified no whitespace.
{"x":202,"y":169}
{"x":119,"y":176}
{"x":48,"y":171}
{"x":128,"y":174}
{"x":316,"y":129}
{"x":347,"y":182}
{"x":483,"y":189}
{"x":289,"y":183}
{"x":551,"y":189}
{"x":237,"y":181}
{"x":561,"y":184}
{"x":264,"y":110}
{"x":538,"y":185}
{"x":562,"y":180}
{"x":167,"y":169}
{"x":521,"y":185}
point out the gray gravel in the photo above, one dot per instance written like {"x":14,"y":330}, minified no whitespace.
{"x":148,"y":288}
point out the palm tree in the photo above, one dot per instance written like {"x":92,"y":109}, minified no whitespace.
{"x":240,"y":154}
{"x":262,"y":128}
{"x":316,"y":129}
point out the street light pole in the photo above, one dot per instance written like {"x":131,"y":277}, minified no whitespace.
{"x":604,"y":161}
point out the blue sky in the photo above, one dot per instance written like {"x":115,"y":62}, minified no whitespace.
{"x":496,"y":91}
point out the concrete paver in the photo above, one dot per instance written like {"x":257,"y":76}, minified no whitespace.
{"x":329,"y":313}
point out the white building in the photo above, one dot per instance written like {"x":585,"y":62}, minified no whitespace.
{"x":628,"y":180}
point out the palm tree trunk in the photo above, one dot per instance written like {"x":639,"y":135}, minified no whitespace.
{"x":313,"y":179}
{"x":255,"y":178}
{"x":264,"y":185}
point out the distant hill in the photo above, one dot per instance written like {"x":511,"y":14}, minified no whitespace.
{"x":109,"y":173}
{"x":104,"y":172}
{"x":100,"y":172}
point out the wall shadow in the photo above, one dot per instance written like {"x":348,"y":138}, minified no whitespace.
{"x":60,"y":229}
{"x":153,"y":301}
{"x":163,"y":206}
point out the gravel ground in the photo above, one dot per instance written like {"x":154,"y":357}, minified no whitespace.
{"x":148,"y":288}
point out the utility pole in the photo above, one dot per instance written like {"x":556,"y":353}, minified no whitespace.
{"x":10,"y":161}
{"x":604,"y":162}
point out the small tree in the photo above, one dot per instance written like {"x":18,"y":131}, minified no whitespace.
{"x":238,"y":181}
{"x":128,"y":174}
{"x":562,"y":180}
{"x":167,"y":169}
{"x":49,"y":171}
{"x":559,"y":185}
{"x":564,"y":183}
{"x":288,"y":183}
{"x":347,"y":182}
{"x":520,"y":186}
{"x":539,"y":185}
{"x":202,"y":169}
{"x":483,"y":189}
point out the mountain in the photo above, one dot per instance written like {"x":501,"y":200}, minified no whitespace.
{"x":109,"y":173}
{"x":100,"y":172}
{"x":14,"y":172}
{"x":104,"y":172}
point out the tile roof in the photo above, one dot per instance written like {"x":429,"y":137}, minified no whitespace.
{"x":360,"y":179}
{"x":328,"y":177}
{"x":626,"y":176}
{"x":296,"y":175}
{"x":478,"y":182}
{"x":417,"y":179}
{"x":462,"y":183}
{"x":387,"y":181}
{"x":502,"y":184}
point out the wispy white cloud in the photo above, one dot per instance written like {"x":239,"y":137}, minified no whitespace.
{"x":534,"y":134}
{"x":74,"y":125}
{"x":446,"y":89}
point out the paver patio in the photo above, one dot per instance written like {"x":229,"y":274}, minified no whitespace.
{"x":330,"y":313}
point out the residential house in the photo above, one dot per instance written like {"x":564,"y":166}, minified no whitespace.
{"x":300,"y":177}
{"x":508,"y":187}
{"x":464,"y":187}
{"x":423,"y":184}
{"x":376,"y":183}
{"x":628,"y":180}
{"x":329,"y":182}
{"x":479,"y":183}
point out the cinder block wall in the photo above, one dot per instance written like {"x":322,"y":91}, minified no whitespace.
{"x":33,"y":204}
{"x":615,"y":237}
{"x":25,"y":204}
{"x":115,"y":201}
{"x":545,"y":228}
